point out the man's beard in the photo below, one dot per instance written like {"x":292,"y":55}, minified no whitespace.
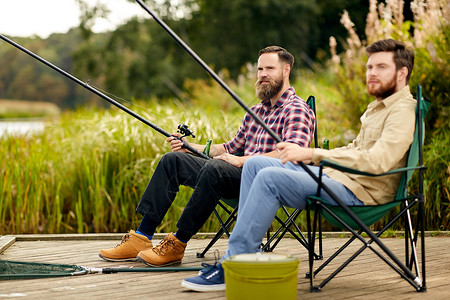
{"x":384,"y":91}
{"x":266,"y":92}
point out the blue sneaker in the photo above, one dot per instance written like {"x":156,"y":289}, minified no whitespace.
{"x":206,"y":268}
{"x":212,"y":278}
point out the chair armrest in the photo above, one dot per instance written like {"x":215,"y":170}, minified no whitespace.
{"x":331,"y":164}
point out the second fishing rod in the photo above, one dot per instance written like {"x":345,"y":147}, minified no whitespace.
{"x":183,"y":129}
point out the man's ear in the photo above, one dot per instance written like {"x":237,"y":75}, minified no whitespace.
{"x":286,"y":70}
{"x":402,"y":74}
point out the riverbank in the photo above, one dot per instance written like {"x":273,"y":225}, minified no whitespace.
{"x":27,"y":109}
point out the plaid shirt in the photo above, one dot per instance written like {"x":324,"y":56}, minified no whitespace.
{"x":290,"y":118}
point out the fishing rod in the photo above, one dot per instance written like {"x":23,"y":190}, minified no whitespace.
{"x":278,"y":139}
{"x":90,"y":270}
{"x":182,"y":128}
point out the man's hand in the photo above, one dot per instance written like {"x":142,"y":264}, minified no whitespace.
{"x":237,"y":161}
{"x":294,"y":153}
{"x":176,"y":144}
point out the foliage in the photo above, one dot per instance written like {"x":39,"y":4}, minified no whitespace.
{"x":437,"y":180}
{"x":433,"y":74}
{"x":237,"y":30}
{"x":22,"y":77}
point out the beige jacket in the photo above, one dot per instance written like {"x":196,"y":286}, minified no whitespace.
{"x":387,"y":130}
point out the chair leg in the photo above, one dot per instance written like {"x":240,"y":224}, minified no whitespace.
{"x":311,"y":248}
{"x":284,"y":228}
{"x":266,"y":247}
{"x":414,"y":259}
{"x":223,"y":229}
{"x":320,"y":256}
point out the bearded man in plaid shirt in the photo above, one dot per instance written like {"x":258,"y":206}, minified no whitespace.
{"x":285,"y":113}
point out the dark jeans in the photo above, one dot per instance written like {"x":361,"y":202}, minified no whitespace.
{"x":211,"y":180}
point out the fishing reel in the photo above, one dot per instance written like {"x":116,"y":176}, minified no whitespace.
{"x":185,"y":131}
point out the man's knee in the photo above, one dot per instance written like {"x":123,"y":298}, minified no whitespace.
{"x":172,"y":155}
{"x":213,"y":167}
{"x":171,"y":158}
{"x":265,"y":177}
{"x":254,"y":164}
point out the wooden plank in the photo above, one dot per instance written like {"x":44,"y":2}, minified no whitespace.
{"x":5,"y":242}
{"x":367,"y":277}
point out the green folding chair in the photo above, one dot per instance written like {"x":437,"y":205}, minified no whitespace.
{"x":230,"y":206}
{"x":357,"y":219}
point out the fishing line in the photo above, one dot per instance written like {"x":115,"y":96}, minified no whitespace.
{"x":230,"y":122}
{"x":120,"y":98}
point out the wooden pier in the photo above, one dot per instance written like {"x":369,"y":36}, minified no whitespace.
{"x":365,"y":278}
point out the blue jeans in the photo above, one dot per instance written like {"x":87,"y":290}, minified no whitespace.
{"x":266,"y":185}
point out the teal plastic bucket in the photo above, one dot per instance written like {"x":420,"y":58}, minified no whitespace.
{"x":261,"y":276}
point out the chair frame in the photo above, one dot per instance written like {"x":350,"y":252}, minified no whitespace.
{"x":405,"y":270}
{"x":285,"y":226}
{"x":224,"y":225}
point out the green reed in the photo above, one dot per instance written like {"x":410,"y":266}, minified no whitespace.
{"x":87,"y":171}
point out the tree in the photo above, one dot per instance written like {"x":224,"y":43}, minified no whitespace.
{"x":229,"y":33}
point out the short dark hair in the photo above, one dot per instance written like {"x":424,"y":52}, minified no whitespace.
{"x":283,"y":54}
{"x":403,"y":57}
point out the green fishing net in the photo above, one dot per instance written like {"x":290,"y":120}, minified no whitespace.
{"x":10,"y":270}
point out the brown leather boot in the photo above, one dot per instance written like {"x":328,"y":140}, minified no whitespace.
{"x":170,"y":251}
{"x":132,"y":243}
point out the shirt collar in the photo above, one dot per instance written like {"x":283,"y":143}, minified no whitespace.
{"x":285,"y":97}
{"x":389,"y":101}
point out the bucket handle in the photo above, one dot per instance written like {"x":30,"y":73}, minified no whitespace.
{"x":262,"y":279}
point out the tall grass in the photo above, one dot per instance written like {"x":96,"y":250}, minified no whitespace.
{"x":436,"y":180}
{"x":87,"y":171}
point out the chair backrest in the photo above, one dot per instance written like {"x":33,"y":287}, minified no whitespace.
{"x":312,"y":104}
{"x":415,"y":150}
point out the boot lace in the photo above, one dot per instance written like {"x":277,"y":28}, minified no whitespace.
{"x":164,"y":246}
{"x":125,"y":238}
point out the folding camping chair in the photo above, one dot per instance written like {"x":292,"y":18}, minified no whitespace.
{"x":230,"y":206}
{"x":356,"y":219}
